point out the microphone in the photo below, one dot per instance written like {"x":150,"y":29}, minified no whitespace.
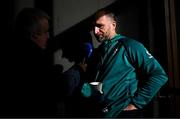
{"x":88,"y":49}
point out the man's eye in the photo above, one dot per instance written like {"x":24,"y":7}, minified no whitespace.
{"x":100,"y":26}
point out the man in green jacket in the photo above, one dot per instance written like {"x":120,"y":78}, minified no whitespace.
{"x":116,"y":63}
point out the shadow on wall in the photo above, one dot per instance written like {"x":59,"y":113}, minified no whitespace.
{"x":71,"y":40}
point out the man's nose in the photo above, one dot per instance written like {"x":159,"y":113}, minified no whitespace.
{"x":96,"y":30}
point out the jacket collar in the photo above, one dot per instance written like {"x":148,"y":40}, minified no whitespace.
{"x":117,"y":37}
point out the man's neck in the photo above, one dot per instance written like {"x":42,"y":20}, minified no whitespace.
{"x":113,"y":36}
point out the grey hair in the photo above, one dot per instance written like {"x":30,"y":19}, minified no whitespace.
{"x":27,"y":21}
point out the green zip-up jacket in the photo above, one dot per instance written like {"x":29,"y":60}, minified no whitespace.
{"x":117,"y":65}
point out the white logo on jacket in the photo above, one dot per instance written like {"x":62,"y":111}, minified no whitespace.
{"x":150,"y":56}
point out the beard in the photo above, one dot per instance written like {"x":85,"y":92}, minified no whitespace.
{"x":100,"y":39}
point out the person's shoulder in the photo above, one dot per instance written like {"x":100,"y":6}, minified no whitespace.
{"x":130,"y":42}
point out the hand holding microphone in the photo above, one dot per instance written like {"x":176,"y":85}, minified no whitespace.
{"x":87,"y":51}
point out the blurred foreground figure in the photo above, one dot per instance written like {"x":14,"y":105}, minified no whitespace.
{"x":31,"y":91}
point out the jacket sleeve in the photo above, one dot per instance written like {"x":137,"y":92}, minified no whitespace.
{"x":155,"y":78}
{"x":70,"y":80}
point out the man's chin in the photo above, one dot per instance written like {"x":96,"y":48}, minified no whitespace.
{"x":100,"y":40}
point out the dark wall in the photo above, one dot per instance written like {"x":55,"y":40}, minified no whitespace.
{"x":6,"y":9}
{"x":177,"y":9}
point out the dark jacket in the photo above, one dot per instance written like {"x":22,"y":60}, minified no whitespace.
{"x":31,"y":89}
